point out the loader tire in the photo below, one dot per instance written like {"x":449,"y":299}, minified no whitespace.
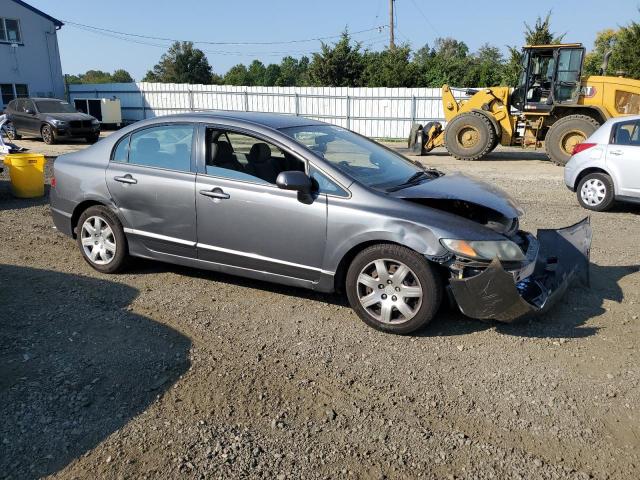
{"x":469,"y":136}
{"x":413,"y":135}
{"x":565,"y":134}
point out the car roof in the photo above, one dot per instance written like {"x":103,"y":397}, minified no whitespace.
{"x":270,"y":120}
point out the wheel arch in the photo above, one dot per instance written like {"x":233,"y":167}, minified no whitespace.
{"x":340,"y":276}
{"x":595,"y":112}
{"x":588,"y":171}
{"x":81,"y":207}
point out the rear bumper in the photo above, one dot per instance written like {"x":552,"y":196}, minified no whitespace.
{"x":495,"y":294}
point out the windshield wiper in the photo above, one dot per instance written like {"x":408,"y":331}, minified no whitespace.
{"x":412,"y":180}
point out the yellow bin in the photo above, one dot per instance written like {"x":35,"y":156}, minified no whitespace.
{"x":26,"y":171}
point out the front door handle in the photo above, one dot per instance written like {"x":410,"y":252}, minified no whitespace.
{"x":215,"y":193}
{"x":126,"y":179}
{"x":616,"y":152}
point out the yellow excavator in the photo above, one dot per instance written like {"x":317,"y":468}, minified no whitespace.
{"x":552,"y":106}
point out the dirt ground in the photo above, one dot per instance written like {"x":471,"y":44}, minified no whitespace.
{"x":169,"y":372}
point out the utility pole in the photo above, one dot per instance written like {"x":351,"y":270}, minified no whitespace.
{"x":392,"y":44}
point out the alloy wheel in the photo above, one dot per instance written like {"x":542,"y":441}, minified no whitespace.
{"x":389,"y":291}
{"x":98,"y":240}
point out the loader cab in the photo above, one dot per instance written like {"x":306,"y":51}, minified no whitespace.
{"x":550,"y":76}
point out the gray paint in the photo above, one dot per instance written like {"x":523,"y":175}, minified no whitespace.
{"x":36,"y":61}
{"x":260,"y":231}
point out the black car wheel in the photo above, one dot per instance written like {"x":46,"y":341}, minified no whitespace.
{"x":48,"y":135}
{"x":393,"y":288}
{"x":93,"y":138}
{"x":11,"y":131}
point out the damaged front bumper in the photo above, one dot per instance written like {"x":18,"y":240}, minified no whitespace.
{"x":497,"y":294}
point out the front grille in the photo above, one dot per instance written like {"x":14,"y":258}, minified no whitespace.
{"x":80,"y":123}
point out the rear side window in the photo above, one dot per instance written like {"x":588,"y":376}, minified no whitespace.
{"x":627,"y":103}
{"x":166,"y":146}
{"x":626,"y":133}
{"x":121,"y":153}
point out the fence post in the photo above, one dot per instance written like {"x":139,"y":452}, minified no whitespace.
{"x":348,"y":112}
{"x":96,"y":93}
{"x":144,"y":106}
{"x":246,"y":101}
{"x":413,"y":109}
{"x":190,"y":99}
{"x":297,"y":104}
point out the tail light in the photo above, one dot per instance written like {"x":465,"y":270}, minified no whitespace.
{"x":581,"y":147}
{"x":53,"y":182}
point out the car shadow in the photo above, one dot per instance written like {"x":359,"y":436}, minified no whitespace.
{"x":567,"y":319}
{"x":9,"y":202}
{"x":496,"y":155}
{"x":75,"y":366}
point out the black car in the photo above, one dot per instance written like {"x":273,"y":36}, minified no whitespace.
{"x":51,"y":119}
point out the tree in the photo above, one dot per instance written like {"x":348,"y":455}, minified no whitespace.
{"x":182,"y":63}
{"x":539,"y":34}
{"x":121,"y":76}
{"x":340,"y":65}
{"x":271,"y":75}
{"x":237,"y":75}
{"x":447,"y":63}
{"x":604,"y":43}
{"x":293,"y":72}
{"x":626,"y":51}
{"x":485,"y":67}
{"x":256,"y":73}
{"x":389,"y":68}
{"x":98,"y":76}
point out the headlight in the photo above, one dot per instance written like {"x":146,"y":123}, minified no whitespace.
{"x":59,"y":123}
{"x":95,"y":122}
{"x":485,"y":250}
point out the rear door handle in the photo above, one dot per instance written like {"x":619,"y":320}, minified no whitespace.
{"x":126,"y":179}
{"x":215,"y":193}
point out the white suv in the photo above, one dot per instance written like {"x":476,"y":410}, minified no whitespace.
{"x":606,"y":166}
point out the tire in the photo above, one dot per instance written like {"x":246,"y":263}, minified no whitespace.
{"x":419,"y":277}
{"x":12,"y":133}
{"x":48,"y":136}
{"x":105,"y":262}
{"x":469,"y":136}
{"x":92,"y":138}
{"x":565,"y":134}
{"x":413,"y":134}
{"x":598,"y":194}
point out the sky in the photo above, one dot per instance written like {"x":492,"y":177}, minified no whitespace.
{"x":287,"y":24}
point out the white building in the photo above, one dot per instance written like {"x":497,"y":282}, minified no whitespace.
{"x":29,"y":54}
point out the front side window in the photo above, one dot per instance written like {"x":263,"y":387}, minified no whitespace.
{"x":325,"y":185}
{"x":627,"y":103}
{"x":358,"y":157}
{"x":239,"y":156}
{"x":166,"y":146}
{"x":10,"y":30}
{"x":627,"y":133}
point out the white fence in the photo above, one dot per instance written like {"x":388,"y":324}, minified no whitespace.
{"x":374,"y":112}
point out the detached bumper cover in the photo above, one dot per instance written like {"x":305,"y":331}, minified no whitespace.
{"x":495,"y":295}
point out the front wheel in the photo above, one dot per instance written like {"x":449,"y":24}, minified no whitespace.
{"x":93,"y":138}
{"x":48,"y":135}
{"x":12,"y":134}
{"x":392,"y":288}
{"x":101,"y":239}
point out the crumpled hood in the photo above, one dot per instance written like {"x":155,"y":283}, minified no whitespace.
{"x":457,"y":186}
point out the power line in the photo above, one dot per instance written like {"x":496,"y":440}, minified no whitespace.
{"x":433,"y":27}
{"x":149,"y":37}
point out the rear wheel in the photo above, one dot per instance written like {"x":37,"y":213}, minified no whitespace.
{"x":565,"y":134}
{"x":595,"y":192}
{"x":101,"y":239}
{"x":469,"y":136}
{"x":47,"y":135}
{"x":393,"y":288}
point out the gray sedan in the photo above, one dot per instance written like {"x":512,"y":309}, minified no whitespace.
{"x":303,"y":203}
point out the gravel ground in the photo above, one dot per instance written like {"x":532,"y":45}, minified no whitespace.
{"x":168,"y":372}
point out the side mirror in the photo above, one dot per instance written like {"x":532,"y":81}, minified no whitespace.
{"x":294,"y":180}
{"x":30,"y":111}
{"x":298,"y":181}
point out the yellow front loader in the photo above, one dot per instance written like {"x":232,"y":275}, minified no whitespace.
{"x":552,"y":107}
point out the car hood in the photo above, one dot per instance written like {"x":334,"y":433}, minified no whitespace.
{"x":68,"y":116}
{"x":458,"y":186}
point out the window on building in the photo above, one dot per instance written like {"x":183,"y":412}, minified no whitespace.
{"x":9,"y":91}
{"x":10,"y":30}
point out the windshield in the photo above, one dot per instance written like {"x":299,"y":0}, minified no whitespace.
{"x":356,"y":156}
{"x":54,"y":106}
